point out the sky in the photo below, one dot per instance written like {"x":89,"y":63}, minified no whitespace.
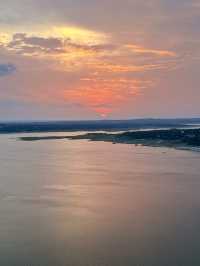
{"x":91,"y":59}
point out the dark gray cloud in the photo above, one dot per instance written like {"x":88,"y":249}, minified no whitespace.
{"x":46,"y":43}
{"x":7,"y":69}
{"x":30,"y":44}
{"x":24,"y":44}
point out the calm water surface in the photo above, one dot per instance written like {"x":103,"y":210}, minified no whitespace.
{"x":97,"y":204}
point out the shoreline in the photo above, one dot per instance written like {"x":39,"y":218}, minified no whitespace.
{"x":185,"y":139}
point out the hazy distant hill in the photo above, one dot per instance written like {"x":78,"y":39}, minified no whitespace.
{"x":109,"y":125}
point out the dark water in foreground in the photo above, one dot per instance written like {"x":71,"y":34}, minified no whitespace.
{"x":95,"y":204}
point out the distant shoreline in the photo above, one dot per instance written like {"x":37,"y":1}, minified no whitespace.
{"x":170,"y":138}
{"x":98,"y":125}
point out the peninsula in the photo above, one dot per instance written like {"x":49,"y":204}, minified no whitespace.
{"x":177,"y":138}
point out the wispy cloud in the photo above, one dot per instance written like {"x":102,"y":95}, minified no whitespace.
{"x":142,"y":50}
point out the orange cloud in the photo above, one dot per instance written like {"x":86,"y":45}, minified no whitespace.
{"x":123,"y":68}
{"x":141,"y":50}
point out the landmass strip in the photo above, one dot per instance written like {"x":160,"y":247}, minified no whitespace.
{"x":177,"y":138}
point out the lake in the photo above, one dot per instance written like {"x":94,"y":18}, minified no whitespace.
{"x":74,"y":203}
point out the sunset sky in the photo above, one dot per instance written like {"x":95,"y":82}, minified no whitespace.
{"x":92,"y":59}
